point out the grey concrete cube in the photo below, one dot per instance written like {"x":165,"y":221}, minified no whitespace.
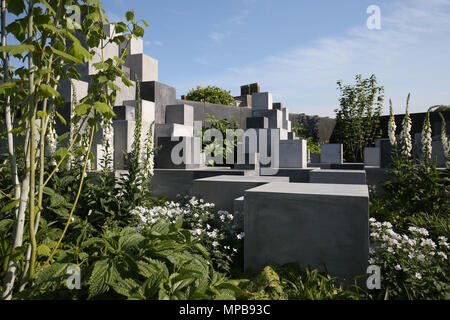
{"x":162,"y":95}
{"x":293,"y":154}
{"x":222,"y":190}
{"x":275,"y":117}
{"x":257,"y":123}
{"x":338,"y":176}
{"x":180,"y":114}
{"x":332,"y":153}
{"x":372,"y":157}
{"x":317,"y":225}
{"x":142,"y":66}
{"x":179,"y":153}
{"x":262,"y":101}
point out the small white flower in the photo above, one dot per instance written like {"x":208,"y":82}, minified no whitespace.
{"x":398,"y":267}
{"x":241,"y":236}
{"x":443,"y":255}
{"x":215,"y":244}
{"x":418,"y":275}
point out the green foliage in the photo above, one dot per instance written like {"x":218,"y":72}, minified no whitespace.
{"x":229,"y":131}
{"x":163,"y":262}
{"x":289,"y":282}
{"x":300,"y":130}
{"x":413,"y":190}
{"x":358,"y":118}
{"x":210,"y":94}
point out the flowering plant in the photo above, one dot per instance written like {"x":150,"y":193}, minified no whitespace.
{"x":413,"y":266}
{"x":218,"y":232}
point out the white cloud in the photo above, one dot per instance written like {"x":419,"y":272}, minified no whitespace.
{"x":219,"y":36}
{"x":409,"y":54}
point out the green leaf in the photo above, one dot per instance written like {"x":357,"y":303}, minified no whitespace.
{"x":82,"y":109}
{"x":9,"y":206}
{"x":66,"y":57}
{"x":17,"y":49}
{"x":48,"y":91}
{"x":43,"y":250}
{"x":129,"y":15}
{"x":61,"y":118}
{"x":15,"y":6}
{"x":4,"y":87}
{"x":104,"y":109}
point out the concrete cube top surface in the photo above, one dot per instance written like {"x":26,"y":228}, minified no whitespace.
{"x":240,"y":179}
{"x":328,"y":171}
{"x":348,"y":190}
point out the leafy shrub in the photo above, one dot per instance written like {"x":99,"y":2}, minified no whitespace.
{"x":217,"y":232}
{"x":414,"y":189}
{"x":160,"y":262}
{"x":290,"y":282}
{"x":413,"y":266}
{"x":210,"y":94}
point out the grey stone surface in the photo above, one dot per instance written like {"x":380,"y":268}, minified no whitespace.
{"x":332,"y":153}
{"x":238,"y":205}
{"x":292,"y":136}
{"x":437,"y":153}
{"x":173,"y":182}
{"x":123,"y":141}
{"x":173,"y":130}
{"x":148,"y":109}
{"x":125,"y":113}
{"x":315,"y":157}
{"x":222,"y":190}
{"x":262,"y":101}
{"x":125,"y":93}
{"x":278,"y":105}
{"x":372,"y":157}
{"x":337,"y":176}
{"x":162,"y":95}
{"x":186,"y":149}
{"x":293,"y":154}
{"x":244,"y":101}
{"x":257,"y":123}
{"x":295,"y":175}
{"x":275,"y":117}
{"x":285,"y":118}
{"x":142,"y":66}
{"x":134,"y":46}
{"x":386,"y":152}
{"x":315,"y":225}
{"x":180,"y":114}
{"x":66,"y":89}
{"x":346,"y":166}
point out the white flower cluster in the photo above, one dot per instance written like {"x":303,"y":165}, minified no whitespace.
{"x":392,"y":126}
{"x":426,"y":138}
{"x":52,"y":138}
{"x":406,"y":133}
{"x":407,"y":251}
{"x":108,"y":143}
{"x":148,"y":154}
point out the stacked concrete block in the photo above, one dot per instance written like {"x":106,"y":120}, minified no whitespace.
{"x":142,"y":66}
{"x":179,"y":153}
{"x":262,"y":101}
{"x":293,"y":154}
{"x":258,"y":123}
{"x":275,"y":117}
{"x":162,"y":95}
{"x":332,"y":153}
{"x":223,"y":190}
{"x":372,"y":157}
{"x":180,"y":114}
{"x":334,"y":176}
{"x":278,"y":105}
{"x":322,"y":226}
{"x":134,"y":46}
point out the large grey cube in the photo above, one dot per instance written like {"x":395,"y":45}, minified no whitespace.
{"x":162,"y":95}
{"x":372,"y":157}
{"x":180,"y":114}
{"x":257,"y":123}
{"x":142,"y":66}
{"x":179,"y":153}
{"x":293,"y":154}
{"x":317,"y":225}
{"x":133,"y":46}
{"x":173,"y":130}
{"x":222,"y":190}
{"x":332,"y":153}
{"x":262,"y":101}
{"x":275,"y":117}
{"x":337,"y":176}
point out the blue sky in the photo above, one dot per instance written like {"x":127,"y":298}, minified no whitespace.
{"x":298,"y":49}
